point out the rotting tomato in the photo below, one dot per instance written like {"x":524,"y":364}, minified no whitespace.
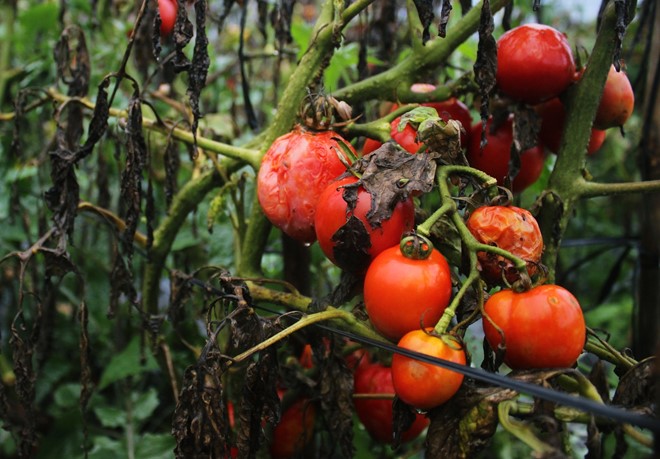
{"x":294,"y":430}
{"x":542,"y":328}
{"x":451,"y":108}
{"x":377,"y":414}
{"x":425,"y":385}
{"x":403,"y":294}
{"x":168,"y":10}
{"x":494,"y":158}
{"x":553,"y":118}
{"x":347,"y":237}
{"x":616,"y":103}
{"x":534,"y":63}
{"x":510,"y":228}
{"x":294,"y":171}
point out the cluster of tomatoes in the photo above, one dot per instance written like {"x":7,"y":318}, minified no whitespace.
{"x":305,"y":190}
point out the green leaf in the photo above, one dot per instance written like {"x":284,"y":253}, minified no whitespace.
{"x":67,"y":395}
{"x":127,"y":363}
{"x":110,"y":416}
{"x":155,"y":446}
{"x":145,"y":404}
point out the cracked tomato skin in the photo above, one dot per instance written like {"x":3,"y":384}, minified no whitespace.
{"x":332,"y":214}
{"x":424,"y":385}
{"x":616,"y":103}
{"x":401,"y":293}
{"x":293,"y":173}
{"x":510,"y":228}
{"x":534,"y":63}
{"x":494,"y":158}
{"x":376,"y":414}
{"x":543,"y":327}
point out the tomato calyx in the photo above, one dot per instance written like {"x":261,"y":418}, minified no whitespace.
{"x":320,"y":112}
{"x":416,"y":247}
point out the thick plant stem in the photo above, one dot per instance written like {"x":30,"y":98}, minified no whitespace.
{"x":565,"y":184}
{"x":184,"y":202}
{"x":320,"y":50}
{"x":428,"y":57}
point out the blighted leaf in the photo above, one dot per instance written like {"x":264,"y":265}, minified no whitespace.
{"x":336,"y":394}
{"x":444,"y":18}
{"x":259,"y":403}
{"x":425,"y":12}
{"x":391,"y":175}
{"x":200,"y":64}
{"x":463,"y":426}
{"x":485,"y":67}
{"x":526,"y":126}
{"x":352,"y":243}
{"x":403,"y":417}
{"x":183,"y":33}
{"x":636,"y":388}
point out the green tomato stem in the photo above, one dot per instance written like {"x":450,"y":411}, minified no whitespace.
{"x":521,"y":430}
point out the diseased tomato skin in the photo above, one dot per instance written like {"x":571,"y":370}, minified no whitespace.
{"x":168,"y":10}
{"x":553,"y":118}
{"x":495,"y":156}
{"x":376,"y":414}
{"x":424,"y":385}
{"x":543,"y":327}
{"x":403,"y":294}
{"x":534,"y":63}
{"x":616,"y":103}
{"x":294,"y":430}
{"x":293,"y":173}
{"x":510,"y":228}
{"x":332,"y":214}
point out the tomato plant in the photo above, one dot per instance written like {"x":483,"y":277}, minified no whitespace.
{"x":425,"y":385}
{"x":295,"y":170}
{"x":333,"y":214}
{"x":553,"y":116}
{"x":617,"y":102}
{"x":403,"y":294}
{"x":510,"y":228}
{"x":534,"y":63}
{"x":494,"y":157}
{"x":168,"y":10}
{"x":376,"y":414}
{"x":540,"y":328}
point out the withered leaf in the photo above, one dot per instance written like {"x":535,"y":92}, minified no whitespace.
{"x":336,"y":394}
{"x":485,"y":66}
{"x":444,"y":18}
{"x":463,"y":426}
{"x":636,"y":387}
{"x":425,"y":12}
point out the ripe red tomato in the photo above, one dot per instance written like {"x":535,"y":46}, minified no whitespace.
{"x":376,"y":414}
{"x":294,"y":430}
{"x":495,"y":156}
{"x":451,"y":108}
{"x":424,"y":385}
{"x":403,"y":294}
{"x":332,"y":214}
{"x":510,"y":228}
{"x":553,"y":118}
{"x":542,"y":327}
{"x":168,"y":10}
{"x":617,"y":102}
{"x":534,"y":63}
{"x":295,"y":170}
